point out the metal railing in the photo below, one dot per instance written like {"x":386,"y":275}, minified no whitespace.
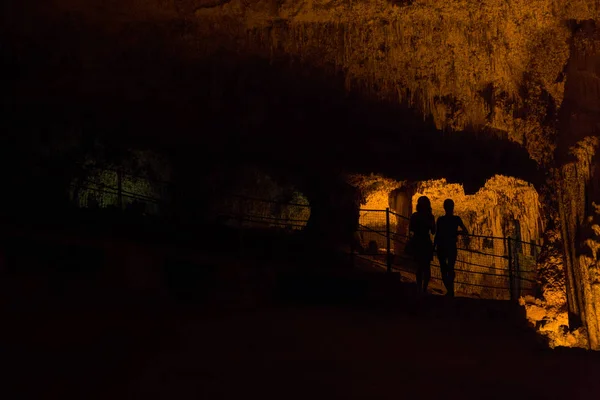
{"x":250,"y":212}
{"x":486,"y":266}
{"x":105,"y":187}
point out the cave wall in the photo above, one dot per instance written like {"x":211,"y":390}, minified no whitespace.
{"x":493,"y":65}
{"x":330,"y":76}
{"x":401,"y":201}
{"x":379,"y":193}
{"x":492,"y":210}
{"x":576,"y":180}
{"x":504,"y":207}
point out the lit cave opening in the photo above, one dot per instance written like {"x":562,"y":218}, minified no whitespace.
{"x":137,"y":183}
{"x":503,"y":218}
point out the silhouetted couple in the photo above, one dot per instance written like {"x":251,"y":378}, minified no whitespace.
{"x":422,"y":224}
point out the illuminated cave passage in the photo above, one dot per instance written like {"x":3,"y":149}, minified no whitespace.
{"x":503,"y":207}
{"x":135,"y":181}
{"x":505,"y":212}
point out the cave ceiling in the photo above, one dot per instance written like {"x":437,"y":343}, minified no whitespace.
{"x":414,"y":89}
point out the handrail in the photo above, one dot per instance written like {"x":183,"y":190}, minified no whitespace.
{"x":399,"y":215}
{"x":263,"y":222}
{"x":110,"y":190}
{"x":395,"y":267}
{"x":468,"y":234}
{"x":269,"y":201}
{"x":126,"y":193}
{"x":270,"y":218}
{"x":97,"y":168}
{"x":472,"y":257}
{"x":372,"y":230}
{"x":480,"y":252}
{"x":273,"y":223}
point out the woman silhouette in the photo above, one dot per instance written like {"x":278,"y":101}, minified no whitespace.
{"x":422,"y":223}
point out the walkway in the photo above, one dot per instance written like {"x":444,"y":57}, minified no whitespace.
{"x":439,"y":348}
{"x":343,"y":334}
{"x":270,"y":330}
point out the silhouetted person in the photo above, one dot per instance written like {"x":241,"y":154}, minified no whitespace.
{"x":421,"y":224}
{"x":445,"y":243}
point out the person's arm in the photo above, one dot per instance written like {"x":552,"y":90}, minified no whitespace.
{"x":462,"y":226}
{"x":435,"y":239}
{"x":464,"y":233}
{"x":432,"y":222}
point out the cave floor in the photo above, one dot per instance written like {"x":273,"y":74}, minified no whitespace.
{"x":425,"y":348}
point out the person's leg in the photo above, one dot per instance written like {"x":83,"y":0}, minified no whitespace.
{"x":451,"y":274}
{"x":443,"y":259}
{"x":419,"y":275}
{"x":426,"y":275}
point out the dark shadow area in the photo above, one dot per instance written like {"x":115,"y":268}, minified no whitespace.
{"x":245,"y":311}
{"x":188,"y":281}
{"x":578,"y":117}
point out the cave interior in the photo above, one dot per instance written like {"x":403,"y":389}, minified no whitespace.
{"x":174,"y":78}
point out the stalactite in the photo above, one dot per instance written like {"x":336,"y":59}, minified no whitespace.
{"x":462,"y":46}
{"x":582,"y":301}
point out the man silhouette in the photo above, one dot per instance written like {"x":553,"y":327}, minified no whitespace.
{"x":445,"y":242}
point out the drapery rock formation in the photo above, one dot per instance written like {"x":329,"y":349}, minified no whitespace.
{"x":499,"y":207}
{"x":577,"y":179}
{"x":474,"y":88}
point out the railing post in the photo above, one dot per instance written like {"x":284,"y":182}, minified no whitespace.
{"x":388,"y":237}
{"x":510,"y":269}
{"x":517,"y":269}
